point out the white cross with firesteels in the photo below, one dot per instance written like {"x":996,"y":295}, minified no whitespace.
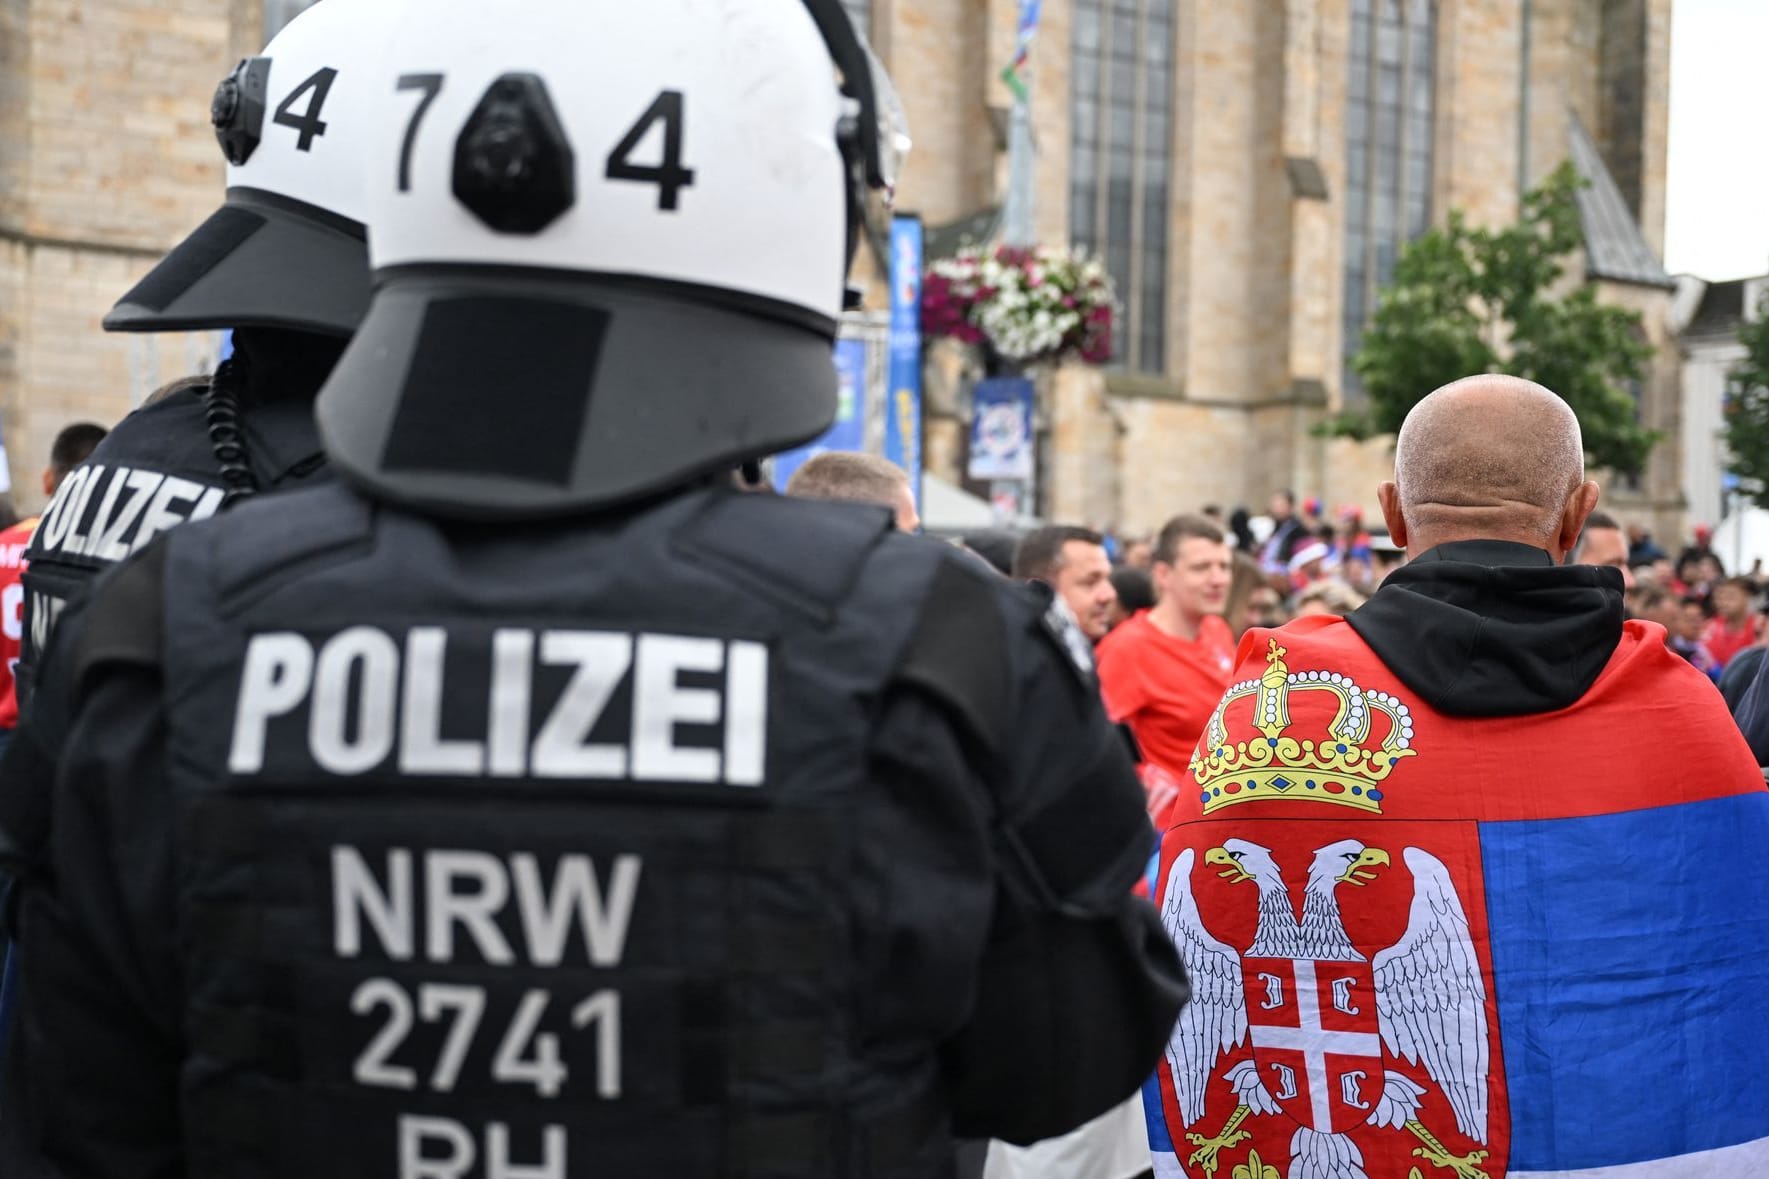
{"x":1315,"y":1042}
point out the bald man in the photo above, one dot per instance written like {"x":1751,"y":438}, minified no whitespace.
{"x":1471,"y":880}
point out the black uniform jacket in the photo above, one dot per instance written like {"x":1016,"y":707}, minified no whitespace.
{"x":930,"y":838}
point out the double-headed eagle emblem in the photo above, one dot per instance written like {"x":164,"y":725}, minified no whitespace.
{"x":1321,"y":1016}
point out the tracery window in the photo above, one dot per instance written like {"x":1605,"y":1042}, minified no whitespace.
{"x":1122,"y":162}
{"x":1389,"y":112}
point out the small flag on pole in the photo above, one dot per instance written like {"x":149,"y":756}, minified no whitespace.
{"x":1014,"y":75}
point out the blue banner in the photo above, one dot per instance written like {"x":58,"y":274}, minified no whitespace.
{"x":902,"y":432}
{"x":849,"y":430}
{"x":1002,"y":443}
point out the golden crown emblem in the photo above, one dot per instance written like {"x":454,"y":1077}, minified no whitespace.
{"x":1337,"y":765}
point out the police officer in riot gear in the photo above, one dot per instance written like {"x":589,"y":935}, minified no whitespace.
{"x":545,"y":806}
{"x":283,"y":262}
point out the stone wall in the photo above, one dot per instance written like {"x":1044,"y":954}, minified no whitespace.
{"x":1173,"y":457}
{"x":106,"y":159}
{"x":1656,"y":498}
{"x":1655,"y":126}
{"x":1480,"y":46}
{"x":1563,"y":57}
{"x":1237,"y":273}
{"x":1083,"y":445}
{"x":935,"y":51}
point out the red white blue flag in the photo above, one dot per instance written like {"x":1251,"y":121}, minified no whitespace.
{"x":1424,"y":946}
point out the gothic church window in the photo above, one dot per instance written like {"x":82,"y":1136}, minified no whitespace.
{"x":1122,"y":162}
{"x":1389,"y":112}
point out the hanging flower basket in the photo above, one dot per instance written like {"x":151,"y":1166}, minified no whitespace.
{"x":1026,"y":306}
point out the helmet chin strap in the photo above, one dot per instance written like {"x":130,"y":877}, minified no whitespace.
{"x":857,"y":131}
{"x":847,"y":139}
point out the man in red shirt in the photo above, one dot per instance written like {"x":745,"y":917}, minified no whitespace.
{"x":1163,"y":671}
{"x":1734,"y":626}
{"x":71,"y":448}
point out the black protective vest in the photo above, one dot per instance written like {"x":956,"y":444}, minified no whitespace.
{"x":156,"y":470}
{"x":555,"y":847}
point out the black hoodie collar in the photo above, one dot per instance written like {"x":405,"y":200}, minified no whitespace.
{"x":1494,"y":628}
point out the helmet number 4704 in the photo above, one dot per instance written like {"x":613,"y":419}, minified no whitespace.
{"x":668,"y":174}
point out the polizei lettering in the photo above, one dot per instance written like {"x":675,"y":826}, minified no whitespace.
{"x":44,"y":613}
{"x":106,"y":513}
{"x":505,"y":703}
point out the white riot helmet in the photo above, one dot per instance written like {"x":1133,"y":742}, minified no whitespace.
{"x":610,"y":242}
{"x":287,"y":248}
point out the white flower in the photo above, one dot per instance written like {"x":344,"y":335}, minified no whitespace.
{"x":1025,"y":318}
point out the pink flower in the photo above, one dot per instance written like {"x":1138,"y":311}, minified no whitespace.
{"x":1018,"y":307}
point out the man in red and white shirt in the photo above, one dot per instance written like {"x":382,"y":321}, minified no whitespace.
{"x":1164,"y":670}
{"x":71,"y":448}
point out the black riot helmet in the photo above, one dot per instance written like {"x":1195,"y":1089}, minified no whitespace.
{"x":610,"y":244}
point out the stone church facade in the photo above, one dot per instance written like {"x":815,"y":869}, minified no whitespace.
{"x":1247,"y":167}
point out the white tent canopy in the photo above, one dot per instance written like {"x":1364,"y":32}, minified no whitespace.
{"x":1741,"y":539}
{"x":946,"y":507}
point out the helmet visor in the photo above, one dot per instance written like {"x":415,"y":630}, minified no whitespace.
{"x":261,"y":260}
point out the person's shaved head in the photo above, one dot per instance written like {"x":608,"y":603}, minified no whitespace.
{"x":1489,"y":457}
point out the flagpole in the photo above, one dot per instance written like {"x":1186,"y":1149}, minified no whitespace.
{"x":1017,"y":228}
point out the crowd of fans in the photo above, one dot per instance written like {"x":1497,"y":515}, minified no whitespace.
{"x":1164,"y":613}
{"x":1293,"y":562}
{"x":1299,"y":560}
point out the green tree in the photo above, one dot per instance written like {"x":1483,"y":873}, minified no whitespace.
{"x":1747,"y":410}
{"x":1468,"y":300}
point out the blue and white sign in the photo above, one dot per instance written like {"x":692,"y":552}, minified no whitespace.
{"x":849,"y":430}
{"x":1002,"y":442}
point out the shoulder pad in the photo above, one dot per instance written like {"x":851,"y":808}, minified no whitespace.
{"x":122,"y":620}
{"x":171,"y":434}
{"x":805,"y":554}
{"x":256,"y":544}
{"x":959,"y":650}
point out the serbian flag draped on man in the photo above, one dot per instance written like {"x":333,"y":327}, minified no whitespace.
{"x":1475,"y":937}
